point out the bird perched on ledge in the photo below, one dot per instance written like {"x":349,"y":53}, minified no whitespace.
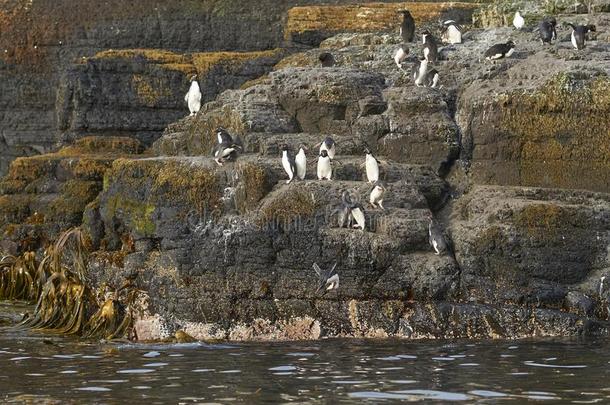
{"x":227,"y":148}
{"x":436,"y":237}
{"x":407,"y":27}
{"x":288,"y":163}
{"x":193,"y":96}
{"x":499,"y":51}
{"x":329,"y":280}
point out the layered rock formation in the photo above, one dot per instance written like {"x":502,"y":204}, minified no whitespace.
{"x":512,"y":159}
{"x":51,"y":72}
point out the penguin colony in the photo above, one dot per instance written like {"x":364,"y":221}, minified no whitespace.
{"x":350,"y":212}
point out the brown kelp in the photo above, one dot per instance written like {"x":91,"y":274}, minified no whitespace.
{"x":65,"y":302}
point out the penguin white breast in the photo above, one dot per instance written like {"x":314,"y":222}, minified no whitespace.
{"x":376,"y":195}
{"x":333,"y":282}
{"x":324,"y":169}
{"x":435,"y":80}
{"x":510,"y":52}
{"x":455,"y":36}
{"x":359,"y":217}
{"x":301,"y":162}
{"x":400,"y":55}
{"x":426,"y":52}
{"x":286,"y":165}
{"x":518,"y":21}
{"x":574,"y":43}
{"x":435,"y":246}
{"x":372,"y":169}
{"x":227,"y":152}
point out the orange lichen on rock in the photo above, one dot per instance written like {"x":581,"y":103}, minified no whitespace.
{"x":189,"y":63}
{"x":205,"y":61}
{"x":364,"y":17}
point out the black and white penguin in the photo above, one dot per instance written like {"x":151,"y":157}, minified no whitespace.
{"x":328,"y":144}
{"x":451,"y":32}
{"x":193,"y":96}
{"x":499,"y":51}
{"x":518,"y":21}
{"x":325,"y":170}
{"x":548,"y":30}
{"x":357,"y":213}
{"x":223,"y":136}
{"x":227,"y":147}
{"x":407,"y":27}
{"x":326,"y":59}
{"x":301,"y":162}
{"x":329,"y":280}
{"x":579,"y":34}
{"x":401,"y":54}
{"x":289,"y":164}
{"x":376,"y":198}
{"x":226,"y":151}
{"x":436,"y":237}
{"x":371,"y":165}
{"x":430,"y":47}
{"x":420,"y":71}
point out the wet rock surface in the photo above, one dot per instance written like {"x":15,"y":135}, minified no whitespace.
{"x":510,"y":158}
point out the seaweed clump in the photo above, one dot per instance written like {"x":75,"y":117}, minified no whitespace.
{"x":65,"y":301}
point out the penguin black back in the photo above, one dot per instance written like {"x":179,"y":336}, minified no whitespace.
{"x":326,"y":59}
{"x":579,"y":34}
{"x":548,"y":30}
{"x":430,"y":47}
{"x":407,"y":27}
{"x":499,"y":51}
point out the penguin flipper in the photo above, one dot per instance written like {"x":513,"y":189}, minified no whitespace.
{"x":332,"y":271}
{"x":317,"y":269}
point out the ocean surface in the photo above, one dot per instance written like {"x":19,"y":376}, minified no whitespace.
{"x":53,"y":369}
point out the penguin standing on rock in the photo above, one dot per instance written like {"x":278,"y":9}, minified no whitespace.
{"x":436,"y":238}
{"x":451,"y":32}
{"x":430,"y":47}
{"x":579,"y":34}
{"x":193,"y":96}
{"x":328,"y":144}
{"x":326,"y":59}
{"x":329,"y":280}
{"x":518,"y":21}
{"x":376,"y":198}
{"x":407,"y":27}
{"x":420,"y":72}
{"x":400,"y":55}
{"x":500,"y":51}
{"x":372,"y":166}
{"x":325,"y":170}
{"x":301,"y":162}
{"x":357,"y":213}
{"x":548,"y":30}
{"x":227,"y":148}
{"x":289,"y":164}
{"x":351,"y":213}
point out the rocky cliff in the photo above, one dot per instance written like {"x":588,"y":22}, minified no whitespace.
{"x":55,"y":82}
{"x":511,"y":159}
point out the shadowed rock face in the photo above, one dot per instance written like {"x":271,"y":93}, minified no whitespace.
{"x":509,"y":157}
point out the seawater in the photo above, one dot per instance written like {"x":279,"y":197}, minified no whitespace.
{"x":53,"y":369}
